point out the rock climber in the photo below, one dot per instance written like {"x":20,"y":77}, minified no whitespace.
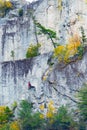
{"x":30,"y":86}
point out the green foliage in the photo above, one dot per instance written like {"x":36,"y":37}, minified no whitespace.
{"x":5,"y":127}
{"x":20,"y":12}
{"x":29,"y":120}
{"x":36,"y":122}
{"x":57,"y":120}
{"x":12,"y":54}
{"x":14,"y":105}
{"x":33,"y":51}
{"x":82,"y":105}
{"x":50,"y":33}
{"x":5,"y":114}
{"x":14,"y":125}
{"x":25,"y":108}
{"x":80,"y":51}
{"x":83,"y":37}
{"x":25,"y":114}
{"x":63,"y":120}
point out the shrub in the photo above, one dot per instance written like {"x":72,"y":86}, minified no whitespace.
{"x":5,"y":126}
{"x":33,"y":51}
{"x":49,"y":115}
{"x":82,"y":105}
{"x":5,"y":114}
{"x":10,"y":126}
{"x":83,"y":36}
{"x":5,"y":6}
{"x":14,"y":125}
{"x":20,"y":12}
{"x":80,"y":51}
{"x":63,"y":120}
{"x":28,"y":119}
{"x":64,"y":52}
{"x":59,"y":119}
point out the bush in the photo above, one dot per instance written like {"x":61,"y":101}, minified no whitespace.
{"x":33,"y":51}
{"x":5,"y":6}
{"x":28,"y":119}
{"x":57,"y":120}
{"x":20,"y":12}
{"x":82,"y":104}
{"x":63,"y":120}
{"x":64,"y":52}
{"x":14,"y":125}
{"x":5,"y":126}
{"x":5,"y":114}
{"x":80,"y":51}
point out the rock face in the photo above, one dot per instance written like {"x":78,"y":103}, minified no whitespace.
{"x":62,"y":16}
{"x":51,"y":83}
{"x":17,"y":33}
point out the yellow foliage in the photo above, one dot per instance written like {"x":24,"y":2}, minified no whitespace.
{"x":74,"y":42}
{"x":51,"y":102}
{"x":8,"y":4}
{"x":2,"y":109}
{"x":1,"y":3}
{"x":44,"y":78}
{"x":50,"y":111}
{"x":14,"y":126}
{"x":41,"y":116}
{"x":49,"y":114}
{"x":60,"y":5}
{"x":51,"y":107}
{"x":60,"y":52}
{"x":41,"y":107}
{"x":5,"y":5}
{"x":86,"y":1}
{"x":64,"y":52}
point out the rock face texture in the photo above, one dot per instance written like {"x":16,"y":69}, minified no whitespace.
{"x":17,"y":33}
{"x":51,"y":83}
{"x":63,"y":16}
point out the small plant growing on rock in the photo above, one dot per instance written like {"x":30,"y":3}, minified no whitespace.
{"x":83,"y":37}
{"x":33,"y":51}
{"x":20,"y":12}
{"x":12,"y":54}
{"x":64,"y":52}
{"x":5,"y":6}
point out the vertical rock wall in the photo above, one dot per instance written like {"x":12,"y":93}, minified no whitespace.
{"x":63,"y":16}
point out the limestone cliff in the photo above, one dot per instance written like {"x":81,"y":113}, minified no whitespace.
{"x":63,"y":16}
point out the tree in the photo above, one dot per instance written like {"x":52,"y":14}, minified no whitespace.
{"x":28,"y":119}
{"x":50,"y":33}
{"x":82,"y":96}
{"x":63,"y":120}
{"x":82,"y":104}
